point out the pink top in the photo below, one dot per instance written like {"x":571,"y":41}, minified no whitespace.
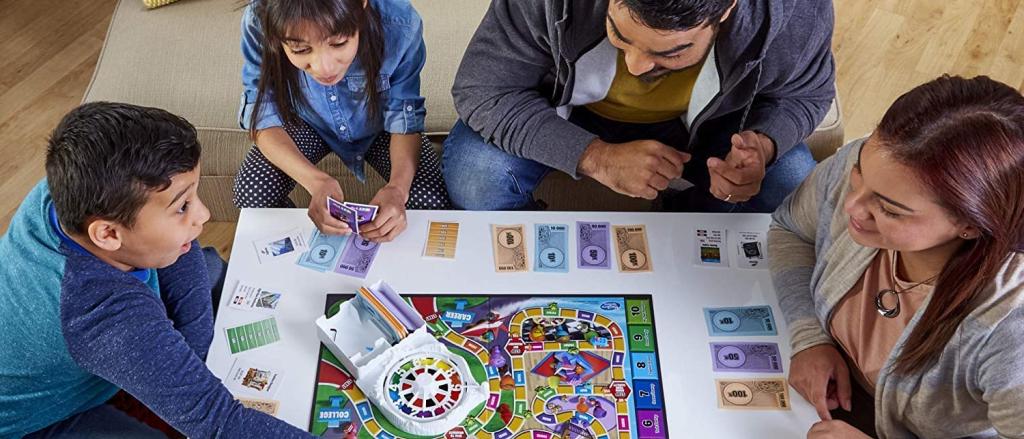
{"x":861,"y":331}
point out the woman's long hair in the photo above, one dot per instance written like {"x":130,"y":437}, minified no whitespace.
{"x":964,"y":138}
{"x":279,"y":78}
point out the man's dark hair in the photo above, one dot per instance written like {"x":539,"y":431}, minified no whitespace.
{"x":675,"y":15}
{"x":104,"y":158}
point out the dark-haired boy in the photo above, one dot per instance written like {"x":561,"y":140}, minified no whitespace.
{"x":104,"y":287}
{"x":638,"y":93}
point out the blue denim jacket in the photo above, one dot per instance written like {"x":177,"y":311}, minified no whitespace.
{"x":338,"y":112}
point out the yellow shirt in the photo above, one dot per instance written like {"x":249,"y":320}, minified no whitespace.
{"x":634,"y":101}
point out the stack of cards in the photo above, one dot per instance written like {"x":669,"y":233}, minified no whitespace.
{"x":280,"y":245}
{"x":509,"y":249}
{"x":252,"y":335}
{"x":352,"y":214}
{"x":388,"y":312}
{"x":250,"y":298}
{"x":442,"y":239}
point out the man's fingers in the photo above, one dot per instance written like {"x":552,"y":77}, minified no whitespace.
{"x":675,"y":157}
{"x":739,"y":176}
{"x":667,"y":169}
{"x":658,"y":182}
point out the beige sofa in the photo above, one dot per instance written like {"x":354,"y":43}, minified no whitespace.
{"x":185,"y":58}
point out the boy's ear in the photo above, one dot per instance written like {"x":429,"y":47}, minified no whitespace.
{"x":106,"y":234}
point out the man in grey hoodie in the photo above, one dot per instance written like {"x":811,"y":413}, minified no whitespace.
{"x":642,"y":96}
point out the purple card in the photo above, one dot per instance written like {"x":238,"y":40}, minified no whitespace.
{"x":357,"y":257}
{"x":364,"y":212}
{"x":594,"y":241}
{"x":746,"y":357}
{"x":344,"y":213}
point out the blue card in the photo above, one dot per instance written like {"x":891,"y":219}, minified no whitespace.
{"x":552,"y":240}
{"x":324,"y":251}
{"x":742,"y":321}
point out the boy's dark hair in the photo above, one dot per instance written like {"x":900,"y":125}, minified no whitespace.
{"x":676,"y":15}
{"x":103,"y":159}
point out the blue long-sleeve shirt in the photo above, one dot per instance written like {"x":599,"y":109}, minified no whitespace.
{"x":74,"y":329}
{"x":338,"y":112}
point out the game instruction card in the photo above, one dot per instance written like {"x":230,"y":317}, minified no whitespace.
{"x":711,"y":247}
{"x":594,"y":243}
{"x":509,"y":249}
{"x":631,"y":246}
{"x":252,"y":335}
{"x":442,"y":239}
{"x":750,"y":250}
{"x":251,"y":298}
{"x":254,"y":380}
{"x":551,"y":242}
{"x":280,"y":245}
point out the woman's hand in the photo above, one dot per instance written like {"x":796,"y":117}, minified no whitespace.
{"x":820,"y":375}
{"x":323,"y":187}
{"x":390,"y":220}
{"x":834,"y":430}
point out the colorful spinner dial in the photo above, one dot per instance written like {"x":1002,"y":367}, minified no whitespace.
{"x":425,"y":387}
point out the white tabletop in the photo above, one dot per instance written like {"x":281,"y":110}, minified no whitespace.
{"x":680,"y":291}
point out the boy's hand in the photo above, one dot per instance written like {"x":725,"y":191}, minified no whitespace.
{"x":738,"y":178}
{"x":834,"y":430}
{"x":391,"y":219}
{"x":323,"y":188}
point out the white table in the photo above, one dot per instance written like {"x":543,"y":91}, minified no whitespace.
{"x":680,"y":290}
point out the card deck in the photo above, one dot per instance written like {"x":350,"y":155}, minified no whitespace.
{"x":740,"y":321}
{"x":442,"y":240}
{"x":250,"y":298}
{"x":551,"y":242}
{"x":631,"y":246}
{"x":509,"y":249}
{"x":746,"y":357}
{"x":280,"y":245}
{"x":252,"y":335}
{"x":711,"y":247}
{"x":753,"y":394}
{"x":252,"y":379}
{"x":594,"y":243}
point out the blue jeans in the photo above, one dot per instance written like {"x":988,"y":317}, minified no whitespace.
{"x":482,"y":177}
{"x":101,"y":422}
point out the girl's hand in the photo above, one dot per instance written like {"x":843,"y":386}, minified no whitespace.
{"x":834,"y":430}
{"x":390,"y":219}
{"x":323,"y":188}
{"x":820,"y":375}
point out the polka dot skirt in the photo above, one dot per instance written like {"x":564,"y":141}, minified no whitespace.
{"x":261,"y":184}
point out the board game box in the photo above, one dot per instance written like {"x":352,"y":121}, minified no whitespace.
{"x":555,"y":366}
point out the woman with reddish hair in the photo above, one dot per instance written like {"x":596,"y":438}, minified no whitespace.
{"x":899,"y":269}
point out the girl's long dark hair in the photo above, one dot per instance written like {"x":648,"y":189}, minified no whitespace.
{"x":964,"y":138}
{"x":279,"y":79}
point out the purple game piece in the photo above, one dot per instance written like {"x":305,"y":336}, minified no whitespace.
{"x":357,"y":257}
{"x":746,"y":357}
{"x":593,"y":244}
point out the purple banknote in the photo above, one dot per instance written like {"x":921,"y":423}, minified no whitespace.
{"x":746,"y":357}
{"x":594,"y":242}
{"x":357,"y":258}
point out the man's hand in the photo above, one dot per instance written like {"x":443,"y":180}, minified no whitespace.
{"x":738,"y":178}
{"x":834,"y":430}
{"x":639,"y":169}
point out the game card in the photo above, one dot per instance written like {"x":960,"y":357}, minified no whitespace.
{"x":280,"y":245}
{"x":442,"y":239}
{"x":324,"y":251}
{"x":711,"y":247}
{"x":250,"y":298}
{"x":509,"y":249}
{"x":551,"y":241}
{"x":364,"y":212}
{"x":594,"y":243}
{"x":631,"y":247}
{"x":753,"y":394}
{"x":252,"y":335}
{"x":750,"y":250}
{"x":268,"y":406}
{"x":343,"y":213}
{"x":250,"y":379}
{"x":357,"y":257}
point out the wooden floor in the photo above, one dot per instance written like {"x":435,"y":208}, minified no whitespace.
{"x":48,"y":49}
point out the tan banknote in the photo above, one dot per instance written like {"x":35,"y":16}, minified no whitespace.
{"x":631,"y":246}
{"x":267,"y":406}
{"x":509,"y":249}
{"x":753,"y":394}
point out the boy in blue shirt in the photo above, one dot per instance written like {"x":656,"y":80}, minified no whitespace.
{"x":103,"y":287}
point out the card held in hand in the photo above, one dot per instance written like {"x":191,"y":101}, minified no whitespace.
{"x":509,"y":249}
{"x":631,"y":246}
{"x":753,"y":394}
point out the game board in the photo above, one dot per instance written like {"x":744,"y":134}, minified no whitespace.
{"x":556,"y":367}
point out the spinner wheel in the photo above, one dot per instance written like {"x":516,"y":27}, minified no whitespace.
{"x":425,"y":387}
